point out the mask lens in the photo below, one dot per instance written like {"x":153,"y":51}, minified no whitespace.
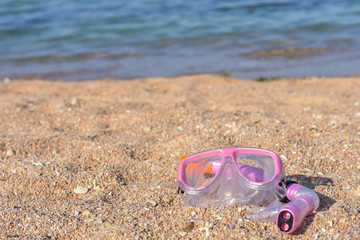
{"x":256,"y":167}
{"x":200,"y":172}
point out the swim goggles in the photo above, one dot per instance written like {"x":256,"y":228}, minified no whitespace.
{"x":245,"y":176}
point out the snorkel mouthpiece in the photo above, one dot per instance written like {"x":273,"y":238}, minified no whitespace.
{"x":300,"y":203}
{"x":303,"y":202}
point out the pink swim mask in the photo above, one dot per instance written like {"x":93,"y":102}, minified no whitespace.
{"x":245,"y":176}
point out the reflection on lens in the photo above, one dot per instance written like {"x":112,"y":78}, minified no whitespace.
{"x":200,"y":172}
{"x":256,"y":167}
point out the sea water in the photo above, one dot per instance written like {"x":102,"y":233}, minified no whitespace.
{"x":90,"y":39}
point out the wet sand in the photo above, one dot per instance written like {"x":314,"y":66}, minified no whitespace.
{"x":99,"y":159}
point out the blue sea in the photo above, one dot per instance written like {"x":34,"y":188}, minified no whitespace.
{"x":74,"y":40}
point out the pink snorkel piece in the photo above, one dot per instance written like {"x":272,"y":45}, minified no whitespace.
{"x":303,"y":201}
{"x":260,"y":185}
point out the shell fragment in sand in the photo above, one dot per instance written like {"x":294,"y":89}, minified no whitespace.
{"x":81,"y":190}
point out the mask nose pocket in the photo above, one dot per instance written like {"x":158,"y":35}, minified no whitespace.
{"x":228,"y":179}
{"x":230,"y":186}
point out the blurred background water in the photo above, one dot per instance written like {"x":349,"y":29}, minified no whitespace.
{"x":90,"y":39}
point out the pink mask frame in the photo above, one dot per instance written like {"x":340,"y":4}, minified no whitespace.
{"x":251,"y":175}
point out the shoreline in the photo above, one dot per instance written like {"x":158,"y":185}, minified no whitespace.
{"x":98,"y":159}
{"x":271,"y":63}
{"x":224,"y":74}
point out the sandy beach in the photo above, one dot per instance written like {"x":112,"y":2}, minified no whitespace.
{"x":98,"y":159}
